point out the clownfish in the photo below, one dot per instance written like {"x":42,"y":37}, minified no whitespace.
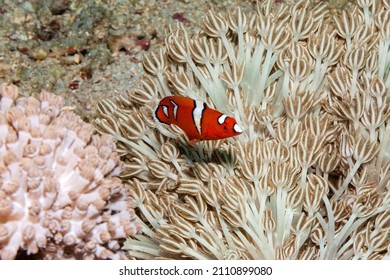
{"x":195,"y":118}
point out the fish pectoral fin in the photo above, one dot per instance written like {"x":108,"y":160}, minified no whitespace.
{"x":163,"y":130}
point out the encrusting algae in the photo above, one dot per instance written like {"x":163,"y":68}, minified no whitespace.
{"x":60,"y":195}
{"x":308,"y":178}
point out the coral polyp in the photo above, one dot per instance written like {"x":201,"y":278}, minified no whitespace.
{"x":308,"y":178}
{"x":60,"y":195}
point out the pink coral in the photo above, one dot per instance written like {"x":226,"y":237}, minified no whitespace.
{"x":59,"y":194}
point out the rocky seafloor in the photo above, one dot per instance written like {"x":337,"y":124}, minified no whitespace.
{"x":89,"y":50}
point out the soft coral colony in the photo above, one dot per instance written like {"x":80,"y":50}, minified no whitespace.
{"x":60,"y":196}
{"x":308,"y":178}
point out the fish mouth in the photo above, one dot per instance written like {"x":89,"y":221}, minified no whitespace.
{"x":237,"y":129}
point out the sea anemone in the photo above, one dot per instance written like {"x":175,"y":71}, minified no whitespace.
{"x":60,"y":196}
{"x":308,"y":178}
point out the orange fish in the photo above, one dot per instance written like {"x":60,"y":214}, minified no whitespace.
{"x":197,"y":120}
